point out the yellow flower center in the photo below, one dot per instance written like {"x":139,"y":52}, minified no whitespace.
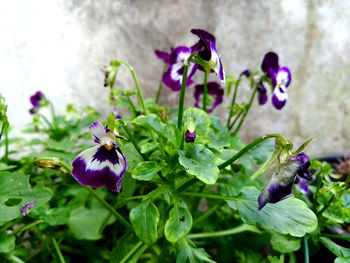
{"x":108,"y":147}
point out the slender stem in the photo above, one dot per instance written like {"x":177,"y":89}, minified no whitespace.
{"x":207,"y":214}
{"x":248,"y":108}
{"x":53,"y":115}
{"x":306,"y":250}
{"x":131,"y":252}
{"x":247,"y":148}
{"x":211,"y":196}
{"x":186,"y":184}
{"x":205,"y":92}
{"x":110,"y":208}
{"x":160,"y":85}
{"x":136,"y":85}
{"x":336,"y":236}
{"x":58,"y":251}
{"x":47,"y":121}
{"x":233,"y":102}
{"x":23,"y":228}
{"x":232,"y":231}
{"x":326,"y":206}
{"x":134,"y":111}
{"x":182,"y":92}
{"x":282,"y":258}
{"x":6,"y":143}
{"x":139,"y":253}
{"x":235,"y":120}
{"x":132,"y":139}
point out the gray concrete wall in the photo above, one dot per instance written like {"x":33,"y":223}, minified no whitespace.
{"x":51,"y":46}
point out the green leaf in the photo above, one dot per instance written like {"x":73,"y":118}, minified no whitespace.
{"x":5,"y":167}
{"x":144,"y":218}
{"x":151,"y":121}
{"x":15,"y":192}
{"x":145,"y":171}
{"x":150,"y":146}
{"x":86,"y":223}
{"x":342,"y":260}
{"x":187,"y":252}
{"x":7,"y":243}
{"x":179,"y":222}
{"x":200,"y":162}
{"x":290,"y":216}
{"x":337,"y":250}
{"x":218,"y":134}
{"x":200,"y":119}
{"x":285,"y":243}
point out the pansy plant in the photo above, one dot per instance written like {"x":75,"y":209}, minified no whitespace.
{"x":103,"y":164}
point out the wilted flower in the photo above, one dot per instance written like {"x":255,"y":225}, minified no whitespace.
{"x":281,"y":182}
{"x":280,"y":78}
{"x":207,"y":51}
{"x":35,"y":100}
{"x":245,"y":73}
{"x":26,"y":208}
{"x":215,"y":91}
{"x":172,"y":78}
{"x":103,"y":164}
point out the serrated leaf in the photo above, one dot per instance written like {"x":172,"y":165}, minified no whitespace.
{"x":144,"y":218}
{"x":179,"y":222}
{"x":200,"y":119}
{"x":16,"y":187}
{"x":290,"y":216}
{"x":200,"y":162}
{"x":187,"y":252}
{"x":145,"y":171}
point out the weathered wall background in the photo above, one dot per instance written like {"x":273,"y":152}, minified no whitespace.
{"x":51,"y":46}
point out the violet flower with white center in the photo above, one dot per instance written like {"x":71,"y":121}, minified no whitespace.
{"x":172,"y":78}
{"x":103,"y":164}
{"x":281,"y":182}
{"x":215,"y":91}
{"x":280,"y":78}
{"x":35,"y":100}
{"x":207,"y":51}
{"x":26,"y":208}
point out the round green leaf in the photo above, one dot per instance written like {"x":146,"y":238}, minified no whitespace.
{"x":290,"y":216}
{"x":7,"y":243}
{"x":179,"y":222}
{"x":200,"y":162}
{"x":145,"y":171}
{"x":285,"y":243}
{"x":144,"y":218}
{"x":199,"y":117}
{"x":151,"y":121}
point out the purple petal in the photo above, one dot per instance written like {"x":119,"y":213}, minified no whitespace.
{"x":205,"y":36}
{"x":283,"y":77}
{"x":246,"y":73}
{"x":272,"y":74}
{"x":26,"y":208}
{"x":97,"y":131}
{"x":273,"y":193}
{"x":270,"y":60}
{"x":262,"y":94}
{"x":36,"y":98}
{"x":179,"y":55}
{"x":190,"y":136}
{"x":279,"y":98}
{"x":303,"y":185}
{"x":92,"y":169}
{"x":214,"y":89}
{"x":172,"y":78}
{"x":163,"y":55}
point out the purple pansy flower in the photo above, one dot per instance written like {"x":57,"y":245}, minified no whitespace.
{"x":207,"y":51}
{"x":26,"y":208}
{"x":35,"y":100}
{"x":103,"y":164}
{"x":214,"y":90}
{"x":281,"y":182}
{"x":172,"y":78}
{"x":190,"y":136}
{"x":262,"y":93}
{"x":280,"y":78}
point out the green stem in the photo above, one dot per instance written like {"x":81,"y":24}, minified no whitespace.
{"x":6,"y":143}
{"x":131,"y":252}
{"x":110,"y":208}
{"x":232,"y":231}
{"x":205,"y":92}
{"x":160,"y":85}
{"x":136,"y":85}
{"x":132,"y":139}
{"x":337,"y":236}
{"x":211,"y":196}
{"x":53,"y":115}
{"x":207,"y":214}
{"x":233,"y":103}
{"x":247,"y":148}
{"x":247,"y":110}
{"x":134,"y":111}
{"x":47,"y":122}
{"x":58,"y":251}
{"x":306,"y":250}
{"x":23,"y":228}
{"x":319,"y":213}
{"x":182,"y":92}
{"x":186,"y":184}
{"x":235,"y":120}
